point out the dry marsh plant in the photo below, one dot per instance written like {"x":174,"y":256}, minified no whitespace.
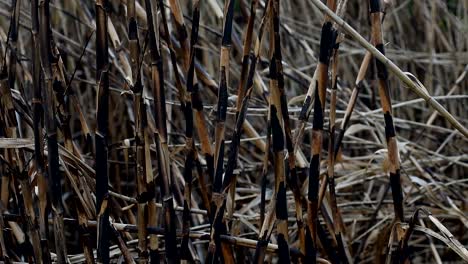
{"x":236,"y":131}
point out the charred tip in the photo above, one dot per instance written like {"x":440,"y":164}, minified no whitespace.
{"x":188,"y":168}
{"x":277,"y":130}
{"x":260,"y":250}
{"x":182,"y":31}
{"x":305,"y":108}
{"x":132,"y":29}
{"x":232,"y":161}
{"x":374,"y":6}
{"x":311,"y":252}
{"x":197,"y":103}
{"x":314,"y":174}
{"x":195,"y":26}
{"x":339,"y":139}
{"x":397,"y":194}
{"x":326,"y":43}
{"x":283,"y":250}
{"x":218,"y":179}
{"x":188,"y":113}
{"x":228,"y":24}
{"x":210,"y":165}
{"x":253,"y":64}
{"x":273,"y":74}
{"x":190,"y":76}
{"x":389,"y":127}
{"x":317,"y":123}
{"x":222,"y":97}
{"x":145,"y":197}
{"x":281,"y":203}
{"x":382,"y":72}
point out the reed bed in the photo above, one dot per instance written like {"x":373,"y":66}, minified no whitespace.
{"x":261,"y":131}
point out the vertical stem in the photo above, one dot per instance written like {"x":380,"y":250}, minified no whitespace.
{"x":385,"y":100}
{"x":352,"y":102}
{"x":218,"y":198}
{"x":326,"y":43}
{"x":278,"y":159}
{"x":102,"y":128}
{"x":139,"y":111}
{"x":190,"y":144}
{"x":188,"y":63}
{"x":337,"y":220}
{"x":51,"y":128}
{"x":246,"y":53}
{"x":157,"y":75}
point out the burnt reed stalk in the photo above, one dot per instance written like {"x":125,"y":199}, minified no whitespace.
{"x":291,"y":179}
{"x":102,"y":130}
{"x":218,"y":198}
{"x":186,"y":106}
{"x":181,"y":94}
{"x":47,"y":57}
{"x":241,"y":115}
{"x":246,"y":54}
{"x":243,"y":98}
{"x":190,"y":144}
{"x":279,"y":122}
{"x":336,"y":215}
{"x":193,"y":104}
{"x":358,"y":85}
{"x":38,"y":135}
{"x":153,"y":40}
{"x":139,"y":110}
{"x":326,"y":44}
{"x":15,"y":158}
{"x":263,"y":180}
{"x":186,"y":96}
{"x":196,"y":104}
{"x":229,"y":180}
{"x":278,"y":160}
{"x":157,"y":78}
{"x":385,"y":100}
{"x":172,"y":55}
{"x":188,"y":177}
{"x":278,"y":205}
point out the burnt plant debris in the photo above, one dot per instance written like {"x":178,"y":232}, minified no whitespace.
{"x":234,"y":131}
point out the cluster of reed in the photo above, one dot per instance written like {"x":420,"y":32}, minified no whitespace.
{"x":183,"y":131}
